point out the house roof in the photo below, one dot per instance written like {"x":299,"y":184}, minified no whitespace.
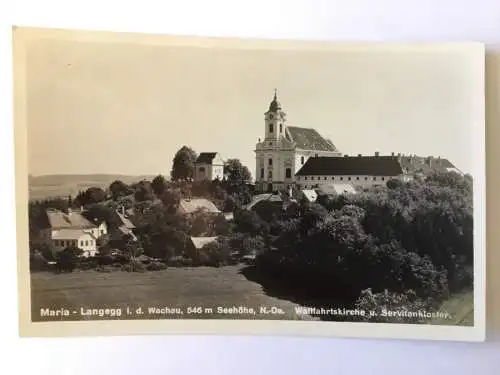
{"x":352,"y":165}
{"x":192,"y":205}
{"x":199,"y":242}
{"x":310,"y":195}
{"x":125,"y":221}
{"x":336,"y":189}
{"x":74,"y":220}
{"x":426,"y":164}
{"x":70,"y":234}
{"x":206,"y":158}
{"x":309,"y":139}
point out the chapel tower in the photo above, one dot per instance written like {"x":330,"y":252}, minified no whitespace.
{"x":275,"y":121}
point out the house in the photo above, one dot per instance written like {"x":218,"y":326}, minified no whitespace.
{"x":85,"y":241}
{"x":126,"y":227}
{"x":362,"y":171}
{"x":72,"y":228}
{"x":308,"y":194}
{"x":208,"y":166}
{"x":192,"y":205}
{"x":426,"y":165}
{"x":285,"y":149}
{"x":195,"y":245}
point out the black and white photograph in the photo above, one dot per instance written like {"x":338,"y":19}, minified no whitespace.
{"x":249,"y":185}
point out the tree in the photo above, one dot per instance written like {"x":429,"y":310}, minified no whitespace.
{"x":119,"y":189}
{"x":159,"y":185}
{"x":183,"y":164}
{"x":67,"y":259}
{"x":236,"y":172}
{"x":143,"y":191}
{"x":171,"y":199}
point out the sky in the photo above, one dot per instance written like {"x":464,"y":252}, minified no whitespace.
{"x":125,"y":106}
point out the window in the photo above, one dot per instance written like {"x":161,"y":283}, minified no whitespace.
{"x":270,"y":162}
{"x":281,"y":128}
{"x":262,"y":173}
{"x":298,"y":178}
{"x":270,"y":174}
{"x":102,"y":231}
{"x":374,"y":178}
{"x":201,"y":169}
{"x":324,"y":178}
{"x":349,"y":178}
{"x":383,"y":178}
{"x":341,"y":178}
{"x":316,"y":155}
{"x":333,"y":178}
{"x":305,"y":178}
{"x":302,"y":160}
{"x":366,"y":178}
{"x":288,"y":173}
{"x":271,"y":128}
{"x":86,"y":243}
{"x":357,"y":178}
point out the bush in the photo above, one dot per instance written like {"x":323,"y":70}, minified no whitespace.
{"x":105,"y":260}
{"x":156,"y":266}
{"x":38,"y":262}
{"x":88,"y":264}
{"x":134,"y":266}
{"x":408,"y":307}
{"x":105,"y":269}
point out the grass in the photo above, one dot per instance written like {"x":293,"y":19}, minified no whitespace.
{"x":175,"y":287}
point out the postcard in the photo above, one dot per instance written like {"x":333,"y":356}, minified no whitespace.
{"x":181,"y":184}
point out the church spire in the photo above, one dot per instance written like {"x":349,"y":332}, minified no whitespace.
{"x":275,"y":104}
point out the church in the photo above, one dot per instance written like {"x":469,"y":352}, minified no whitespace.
{"x":291,"y":157}
{"x":285,"y":149}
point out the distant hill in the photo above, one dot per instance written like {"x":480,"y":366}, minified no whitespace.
{"x":47,"y":186}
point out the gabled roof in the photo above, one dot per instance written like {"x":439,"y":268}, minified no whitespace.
{"x":309,"y":139}
{"x":73,"y":220}
{"x":426,"y":164}
{"x":206,"y":158}
{"x":125,"y":221}
{"x":70,"y":234}
{"x":199,"y":242}
{"x":352,"y":165}
{"x":190,"y":206}
{"x":310,"y":195}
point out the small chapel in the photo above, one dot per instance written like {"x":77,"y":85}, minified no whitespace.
{"x":285,"y":149}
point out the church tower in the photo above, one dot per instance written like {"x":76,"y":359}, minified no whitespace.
{"x":275,"y":121}
{"x":273,"y":153}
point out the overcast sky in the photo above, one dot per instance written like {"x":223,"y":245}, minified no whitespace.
{"x":126,"y":108}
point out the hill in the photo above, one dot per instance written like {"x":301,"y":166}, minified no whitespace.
{"x":46,"y":186}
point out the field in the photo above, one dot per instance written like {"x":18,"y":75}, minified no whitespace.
{"x":186,"y":288}
{"x":41,"y":187}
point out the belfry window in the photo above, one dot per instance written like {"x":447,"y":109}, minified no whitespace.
{"x":270,"y":174}
{"x":281,"y":128}
{"x":270,"y":161}
{"x":262,"y":173}
{"x":288,"y":173}
{"x":302,"y":160}
{"x":271,"y":128}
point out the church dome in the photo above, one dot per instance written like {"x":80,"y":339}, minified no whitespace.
{"x":275,"y":104}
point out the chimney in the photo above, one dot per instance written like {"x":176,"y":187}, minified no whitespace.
{"x":377,"y":153}
{"x":359,"y":155}
{"x":399,"y":154}
{"x":346,"y":156}
{"x":392,"y":153}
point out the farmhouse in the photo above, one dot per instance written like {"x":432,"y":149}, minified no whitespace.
{"x":71,"y":228}
{"x":85,"y":241}
{"x":208,"y":166}
{"x":285,"y":149}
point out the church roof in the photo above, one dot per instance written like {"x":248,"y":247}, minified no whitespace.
{"x":206,"y":158}
{"x":353,"y":165}
{"x":309,"y":139}
{"x":426,"y":164}
{"x":275,"y":105}
{"x":70,"y":220}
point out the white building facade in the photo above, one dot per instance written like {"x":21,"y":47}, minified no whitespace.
{"x":358,"y":171}
{"x":285,"y":149}
{"x":208,"y":166}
